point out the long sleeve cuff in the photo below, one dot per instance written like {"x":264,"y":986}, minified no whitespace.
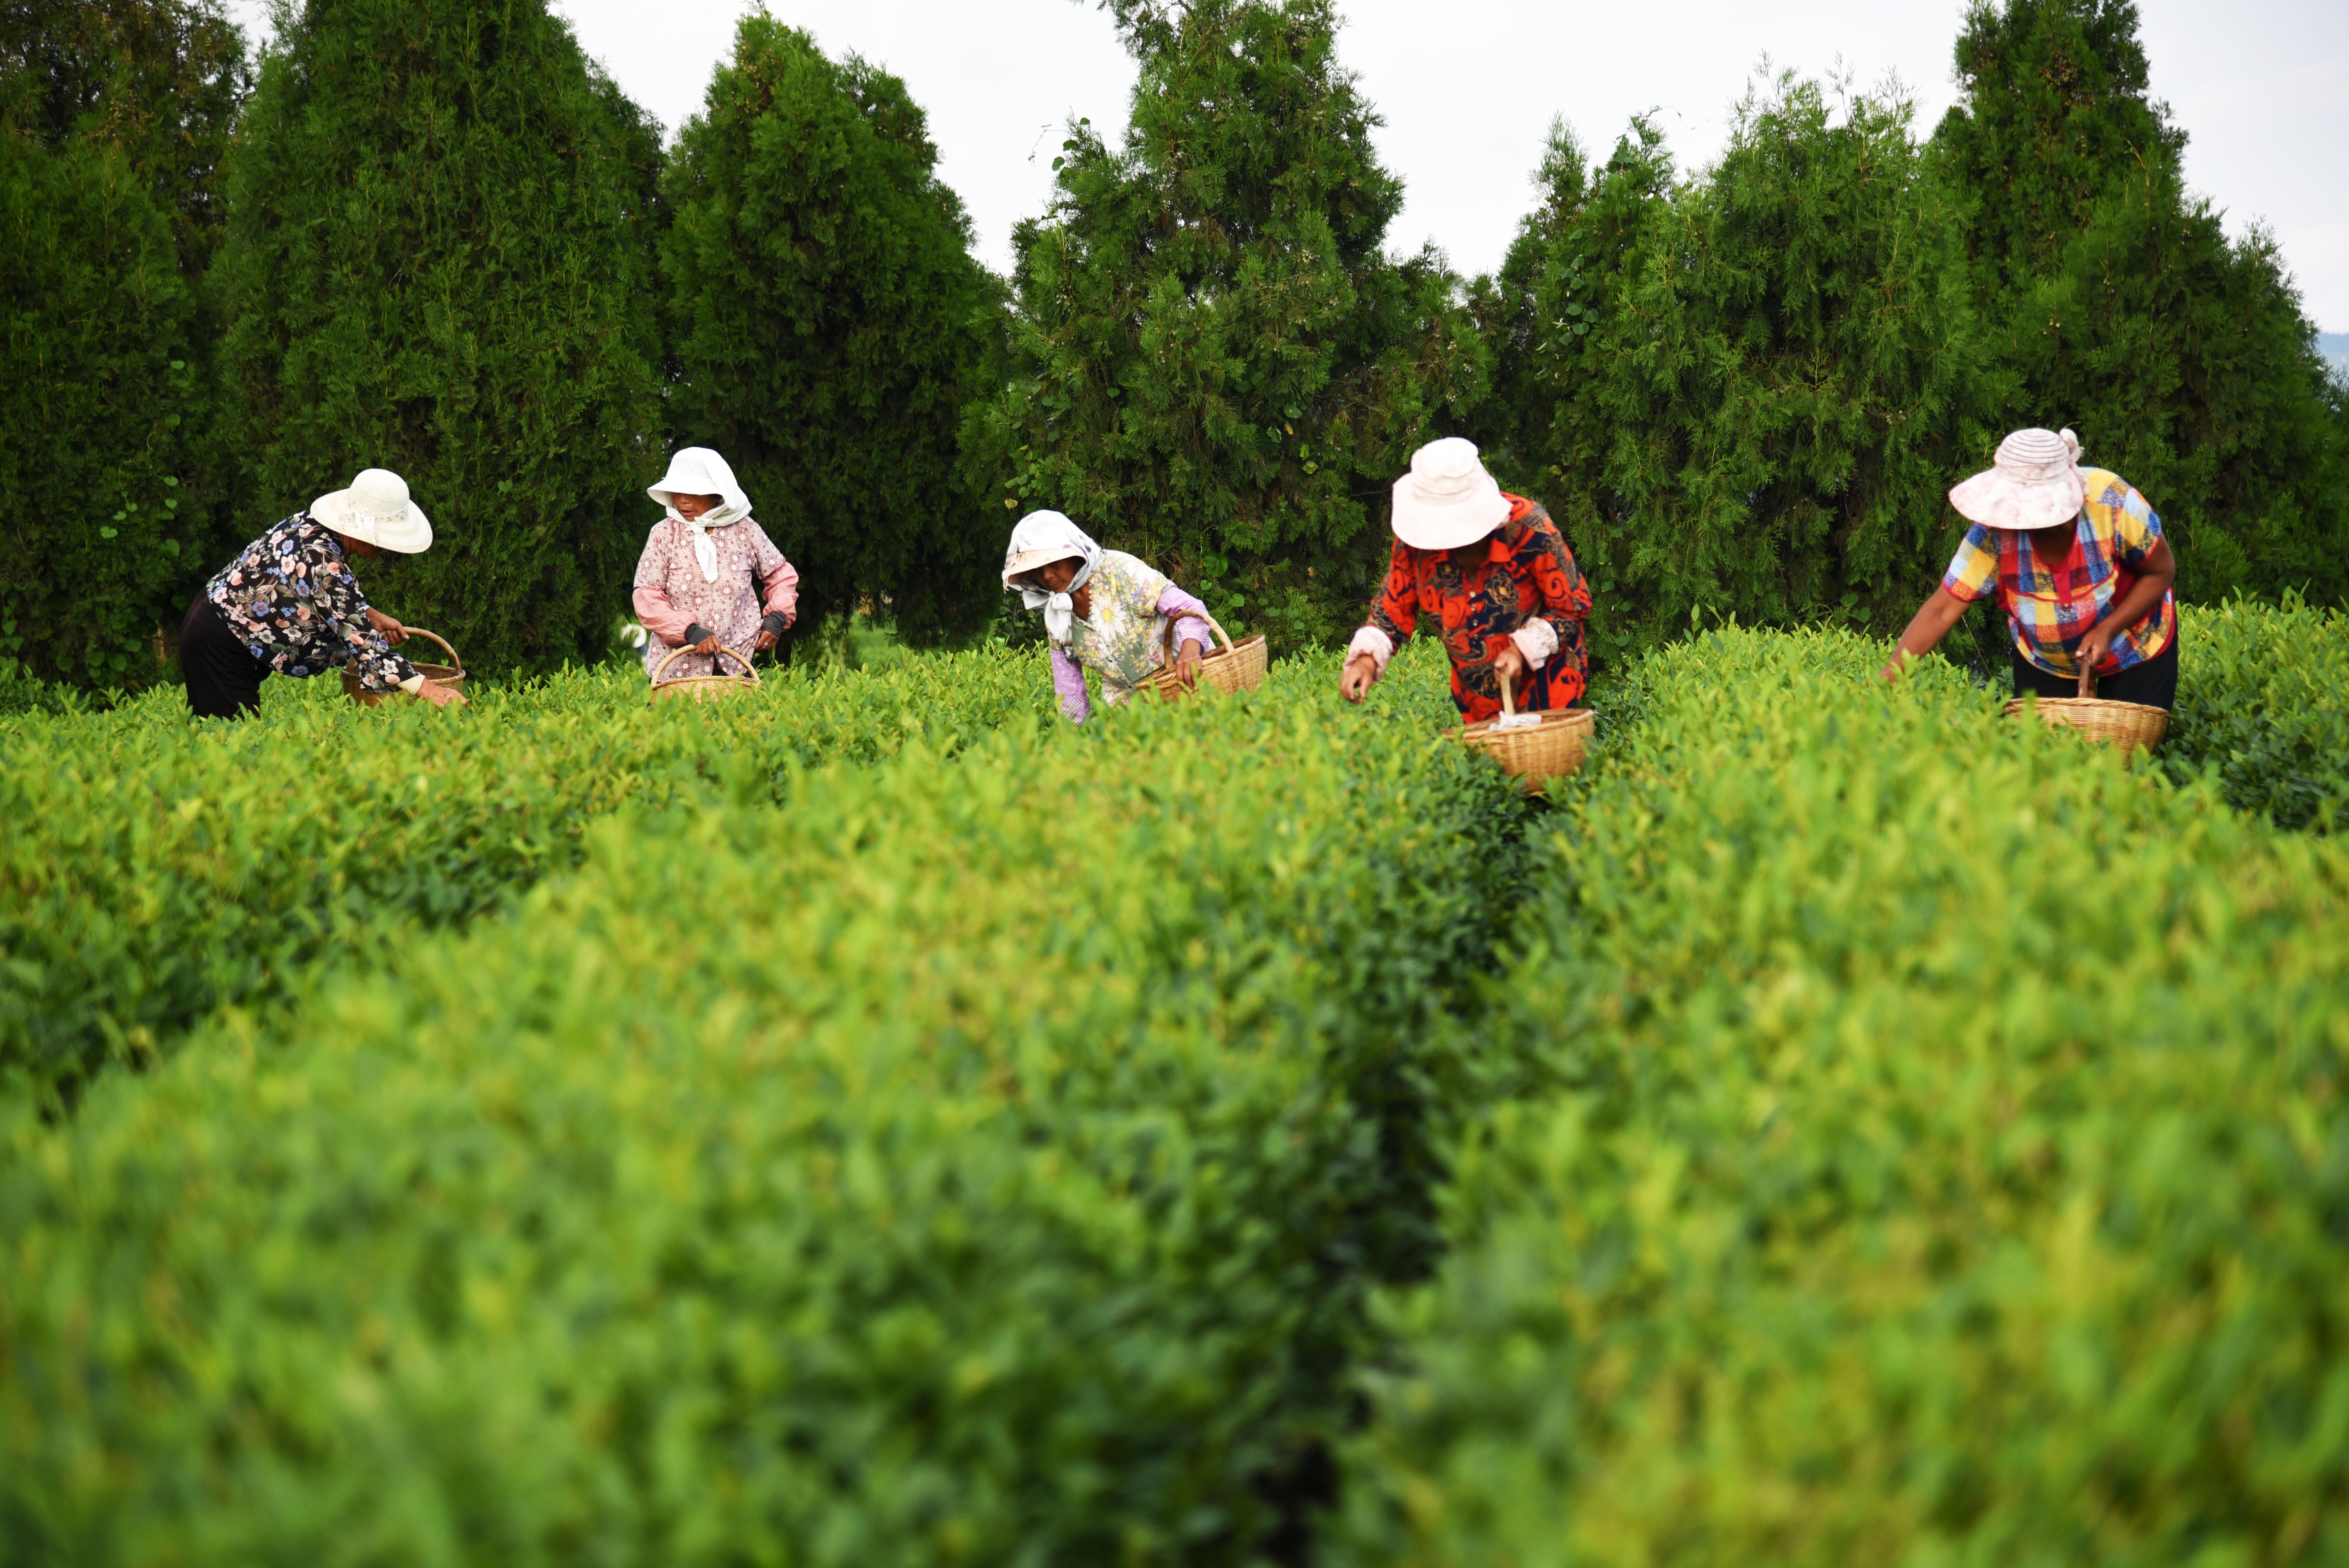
{"x":776,"y":622}
{"x":1371,"y":641}
{"x":412,"y":685}
{"x":695,"y":633}
{"x":1538,"y":640}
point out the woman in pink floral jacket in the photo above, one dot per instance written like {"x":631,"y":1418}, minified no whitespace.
{"x":709,"y":577}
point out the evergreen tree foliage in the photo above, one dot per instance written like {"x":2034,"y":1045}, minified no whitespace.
{"x":436,"y":262}
{"x":829,"y":327}
{"x":2120,"y":307}
{"x":159,"y":80}
{"x":101,"y":532}
{"x":1216,"y":365}
{"x":1744,"y":394}
{"x":113,"y":115}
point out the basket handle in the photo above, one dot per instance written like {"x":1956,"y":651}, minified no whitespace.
{"x":684,"y":648}
{"x":1214,"y":626}
{"x":421,"y":631}
{"x":1508,"y":702}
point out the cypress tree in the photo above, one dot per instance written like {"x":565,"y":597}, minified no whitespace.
{"x":2120,"y":307}
{"x":161,"y":80}
{"x":113,"y":115}
{"x":829,"y":327}
{"x":1215,"y":364}
{"x":1747,"y":393}
{"x":438,"y":261}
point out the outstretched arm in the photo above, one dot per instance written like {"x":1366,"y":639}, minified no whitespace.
{"x":1392,"y":617}
{"x":1068,"y":683}
{"x":1926,"y":629}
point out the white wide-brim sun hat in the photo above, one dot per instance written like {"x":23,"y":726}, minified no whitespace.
{"x":698,"y":470}
{"x":376,"y":511}
{"x":2035,"y":483}
{"x":1447,"y":500}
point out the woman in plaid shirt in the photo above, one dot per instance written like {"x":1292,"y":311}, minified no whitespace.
{"x":2078,"y":561}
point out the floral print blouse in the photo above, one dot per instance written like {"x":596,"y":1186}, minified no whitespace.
{"x":291,"y":598}
{"x":1124,"y":638}
{"x":1521,"y":585}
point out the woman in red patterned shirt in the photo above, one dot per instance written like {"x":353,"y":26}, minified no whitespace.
{"x":1494,"y":571}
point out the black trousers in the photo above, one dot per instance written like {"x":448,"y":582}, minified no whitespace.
{"x":2153,"y":683}
{"x":223,"y":675}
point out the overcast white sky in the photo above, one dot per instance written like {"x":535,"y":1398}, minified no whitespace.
{"x":1468,"y":86}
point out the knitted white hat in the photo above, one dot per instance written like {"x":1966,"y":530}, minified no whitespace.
{"x":376,"y":509}
{"x":2036,"y":484}
{"x":1447,"y":500}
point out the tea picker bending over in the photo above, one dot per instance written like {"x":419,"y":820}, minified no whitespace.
{"x":1103,"y":610}
{"x":289,"y":605}
{"x":2077,"y":560}
{"x":1494,"y":571}
{"x":709,"y":577}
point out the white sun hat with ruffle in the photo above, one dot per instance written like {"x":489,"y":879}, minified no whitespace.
{"x":1447,"y":500}
{"x":2035,"y":483}
{"x":376,"y":510}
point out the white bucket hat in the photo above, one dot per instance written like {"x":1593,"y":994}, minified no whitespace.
{"x":697,"y":471}
{"x":1447,"y":500}
{"x":376,"y":509}
{"x":2035,"y":484}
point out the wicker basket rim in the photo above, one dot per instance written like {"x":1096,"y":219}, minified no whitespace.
{"x":2016,"y":704}
{"x":748,"y":676}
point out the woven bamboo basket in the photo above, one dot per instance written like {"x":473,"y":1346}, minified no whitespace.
{"x":1235,"y":666}
{"x":2123,"y":723}
{"x":1550,"y":747}
{"x":448,"y":675}
{"x":703,"y":688}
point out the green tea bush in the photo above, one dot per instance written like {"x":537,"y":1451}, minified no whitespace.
{"x":967,"y":1163}
{"x":155,"y":868}
{"x":2263,"y":702}
{"x":1933,"y":1150}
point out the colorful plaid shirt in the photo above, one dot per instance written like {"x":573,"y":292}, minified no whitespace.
{"x":2055,"y":604}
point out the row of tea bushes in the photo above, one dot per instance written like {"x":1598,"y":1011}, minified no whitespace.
{"x":2263,"y":703}
{"x":155,"y":869}
{"x":1934,"y":1148}
{"x":963,"y":1162}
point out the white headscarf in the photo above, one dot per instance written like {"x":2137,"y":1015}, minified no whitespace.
{"x":1038,"y":540}
{"x":697,"y":471}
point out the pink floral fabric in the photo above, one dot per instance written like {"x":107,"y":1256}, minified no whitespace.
{"x":753,"y":578}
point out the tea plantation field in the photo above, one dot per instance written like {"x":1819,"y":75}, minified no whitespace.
{"x":875,"y":1123}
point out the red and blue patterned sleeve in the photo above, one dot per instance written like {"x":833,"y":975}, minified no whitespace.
{"x":1564,"y":593}
{"x":1396,"y":610}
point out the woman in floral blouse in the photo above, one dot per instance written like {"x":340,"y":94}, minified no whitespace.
{"x":1494,"y":571}
{"x":1103,"y":610}
{"x":710,"y":576}
{"x":288,"y":604}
